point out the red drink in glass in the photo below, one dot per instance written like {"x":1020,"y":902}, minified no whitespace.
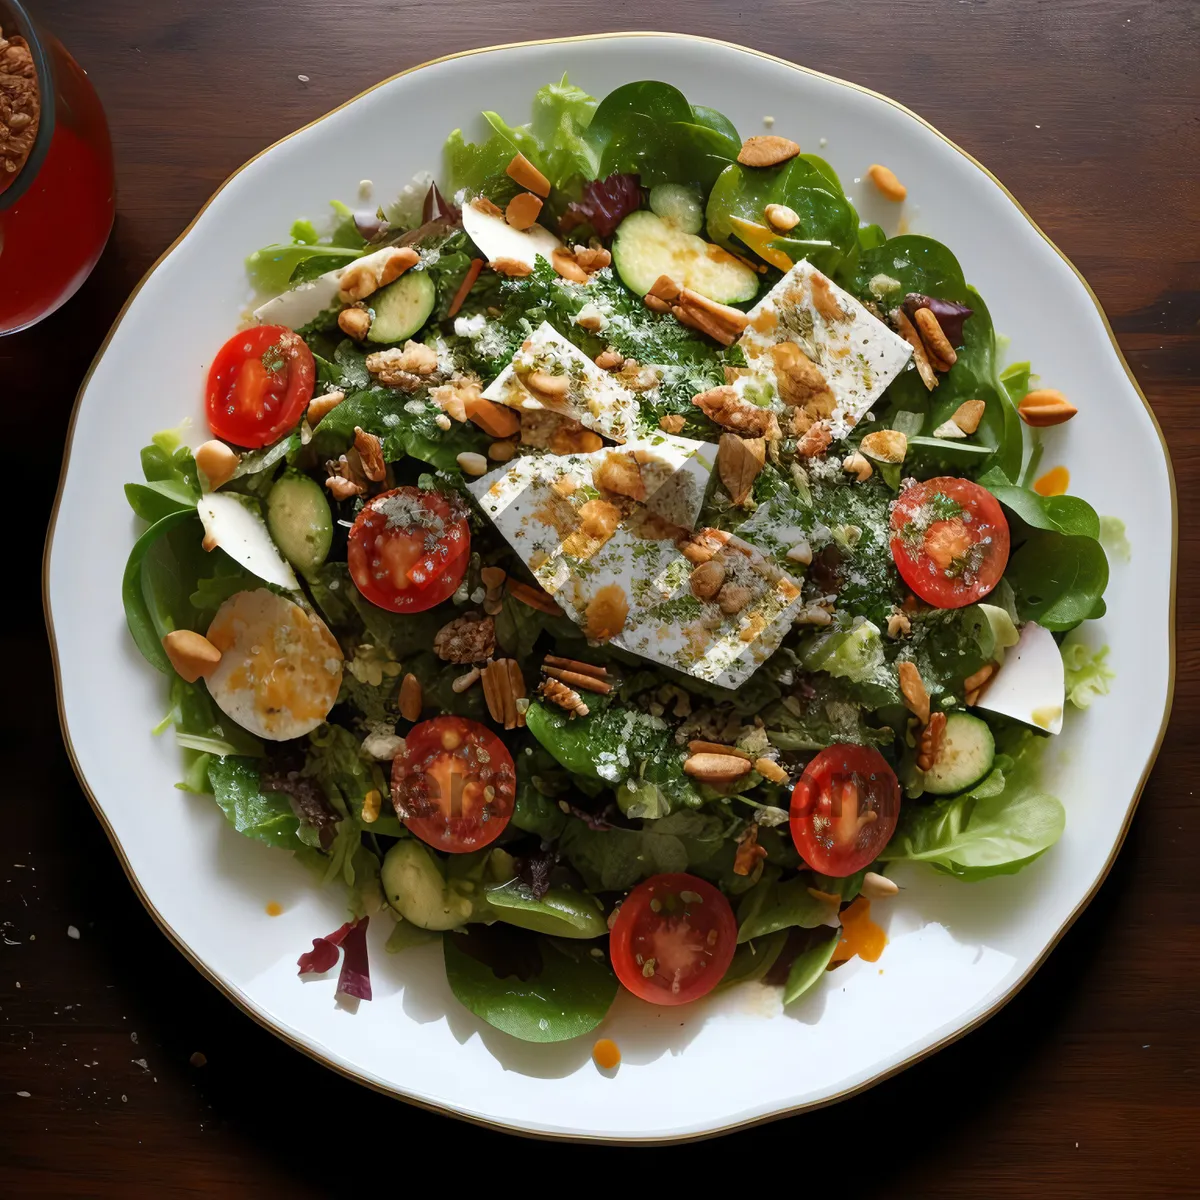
{"x":56,"y":189}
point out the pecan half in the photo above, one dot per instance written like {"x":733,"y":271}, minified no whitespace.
{"x":912,"y":688}
{"x":370,"y":451}
{"x":559,"y":693}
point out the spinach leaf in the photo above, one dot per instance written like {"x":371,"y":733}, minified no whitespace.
{"x":828,"y":223}
{"x":808,"y":967}
{"x":159,"y":498}
{"x":543,"y":990}
{"x":650,"y":130}
{"x":405,"y":935}
{"x":201,"y":726}
{"x":995,"y":829}
{"x":616,"y":745}
{"x":1058,"y":580}
{"x":613,"y":860}
{"x":265,"y":816}
{"x":536,"y":811}
{"x":771,"y":905}
{"x":1069,"y":515}
{"x":752,"y":960}
{"x":144,"y":623}
{"x":923,"y":265}
{"x":403,"y":432}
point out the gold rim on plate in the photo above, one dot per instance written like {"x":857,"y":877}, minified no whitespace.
{"x":243,"y":1002}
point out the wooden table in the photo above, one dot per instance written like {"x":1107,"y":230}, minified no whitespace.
{"x":1086,"y":1084}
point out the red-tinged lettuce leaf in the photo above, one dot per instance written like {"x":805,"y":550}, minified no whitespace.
{"x":604,"y":205}
{"x":437,"y":207}
{"x":355,"y":977}
{"x":950,"y":315}
{"x":324,"y":954}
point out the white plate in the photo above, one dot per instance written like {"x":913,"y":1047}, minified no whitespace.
{"x":957,"y":951}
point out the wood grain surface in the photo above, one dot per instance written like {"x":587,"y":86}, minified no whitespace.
{"x":1087,"y":1084}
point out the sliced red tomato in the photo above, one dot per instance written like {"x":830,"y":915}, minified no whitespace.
{"x":949,"y":541}
{"x":673,"y":939}
{"x":844,"y":809}
{"x":259,"y":384}
{"x":455,"y":784}
{"x":409,"y":549}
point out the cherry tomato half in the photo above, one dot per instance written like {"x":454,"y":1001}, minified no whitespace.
{"x":949,"y":541}
{"x":259,"y":384}
{"x":844,"y":809}
{"x":455,"y":784}
{"x":673,"y":939}
{"x":409,"y":549}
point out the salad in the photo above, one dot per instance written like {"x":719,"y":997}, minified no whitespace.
{"x":610,"y":558}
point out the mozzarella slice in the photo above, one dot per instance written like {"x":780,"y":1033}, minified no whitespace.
{"x":592,"y":396}
{"x":497,"y":239}
{"x":280,"y":667}
{"x":233,"y":523}
{"x":301,"y":304}
{"x":1031,"y":686}
{"x":855,"y":351}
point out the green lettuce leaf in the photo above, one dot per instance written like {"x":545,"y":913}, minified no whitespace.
{"x":1087,"y":672}
{"x":265,"y":816}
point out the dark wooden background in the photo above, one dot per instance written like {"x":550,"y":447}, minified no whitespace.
{"x":1085,"y":1085}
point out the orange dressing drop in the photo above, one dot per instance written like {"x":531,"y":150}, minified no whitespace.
{"x":274,"y":909}
{"x":606,"y":1055}
{"x":1054,"y":483}
{"x":860,"y":935}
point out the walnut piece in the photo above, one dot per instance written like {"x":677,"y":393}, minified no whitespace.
{"x":724,"y":406}
{"x":406,"y":369}
{"x":466,"y":639}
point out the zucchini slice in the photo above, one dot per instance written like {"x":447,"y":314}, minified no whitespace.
{"x":646,"y":246}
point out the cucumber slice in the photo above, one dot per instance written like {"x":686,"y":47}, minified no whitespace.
{"x":678,"y":206}
{"x":402,"y":307}
{"x":415,"y":888}
{"x":965,"y":757}
{"x":300,"y":522}
{"x":646,"y":247}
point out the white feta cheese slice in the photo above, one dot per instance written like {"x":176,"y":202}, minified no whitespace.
{"x":1031,"y":685}
{"x":301,"y":304}
{"x":590,"y":396}
{"x":497,"y":239}
{"x":858,"y":355}
{"x":538,"y":501}
{"x":667,"y":623}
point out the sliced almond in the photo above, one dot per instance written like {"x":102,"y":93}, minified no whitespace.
{"x":716,"y":768}
{"x":768,"y":768}
{"x":739,"y":462}
{"x":696,"y":746}
{"x":885,"y":446}
{"x":514,"y":268}
{"x":968,"y":415}
{"x":908,"y":331}
{"x":192,"y":655}
{"x":1045,"y":407}
{"x":522,"y":171}
{"x":912,"y":688}
{"x":563,"y":261}
{"x":412,"y":698}
{"x":523,"y":210}
{"x":767,"y":150}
